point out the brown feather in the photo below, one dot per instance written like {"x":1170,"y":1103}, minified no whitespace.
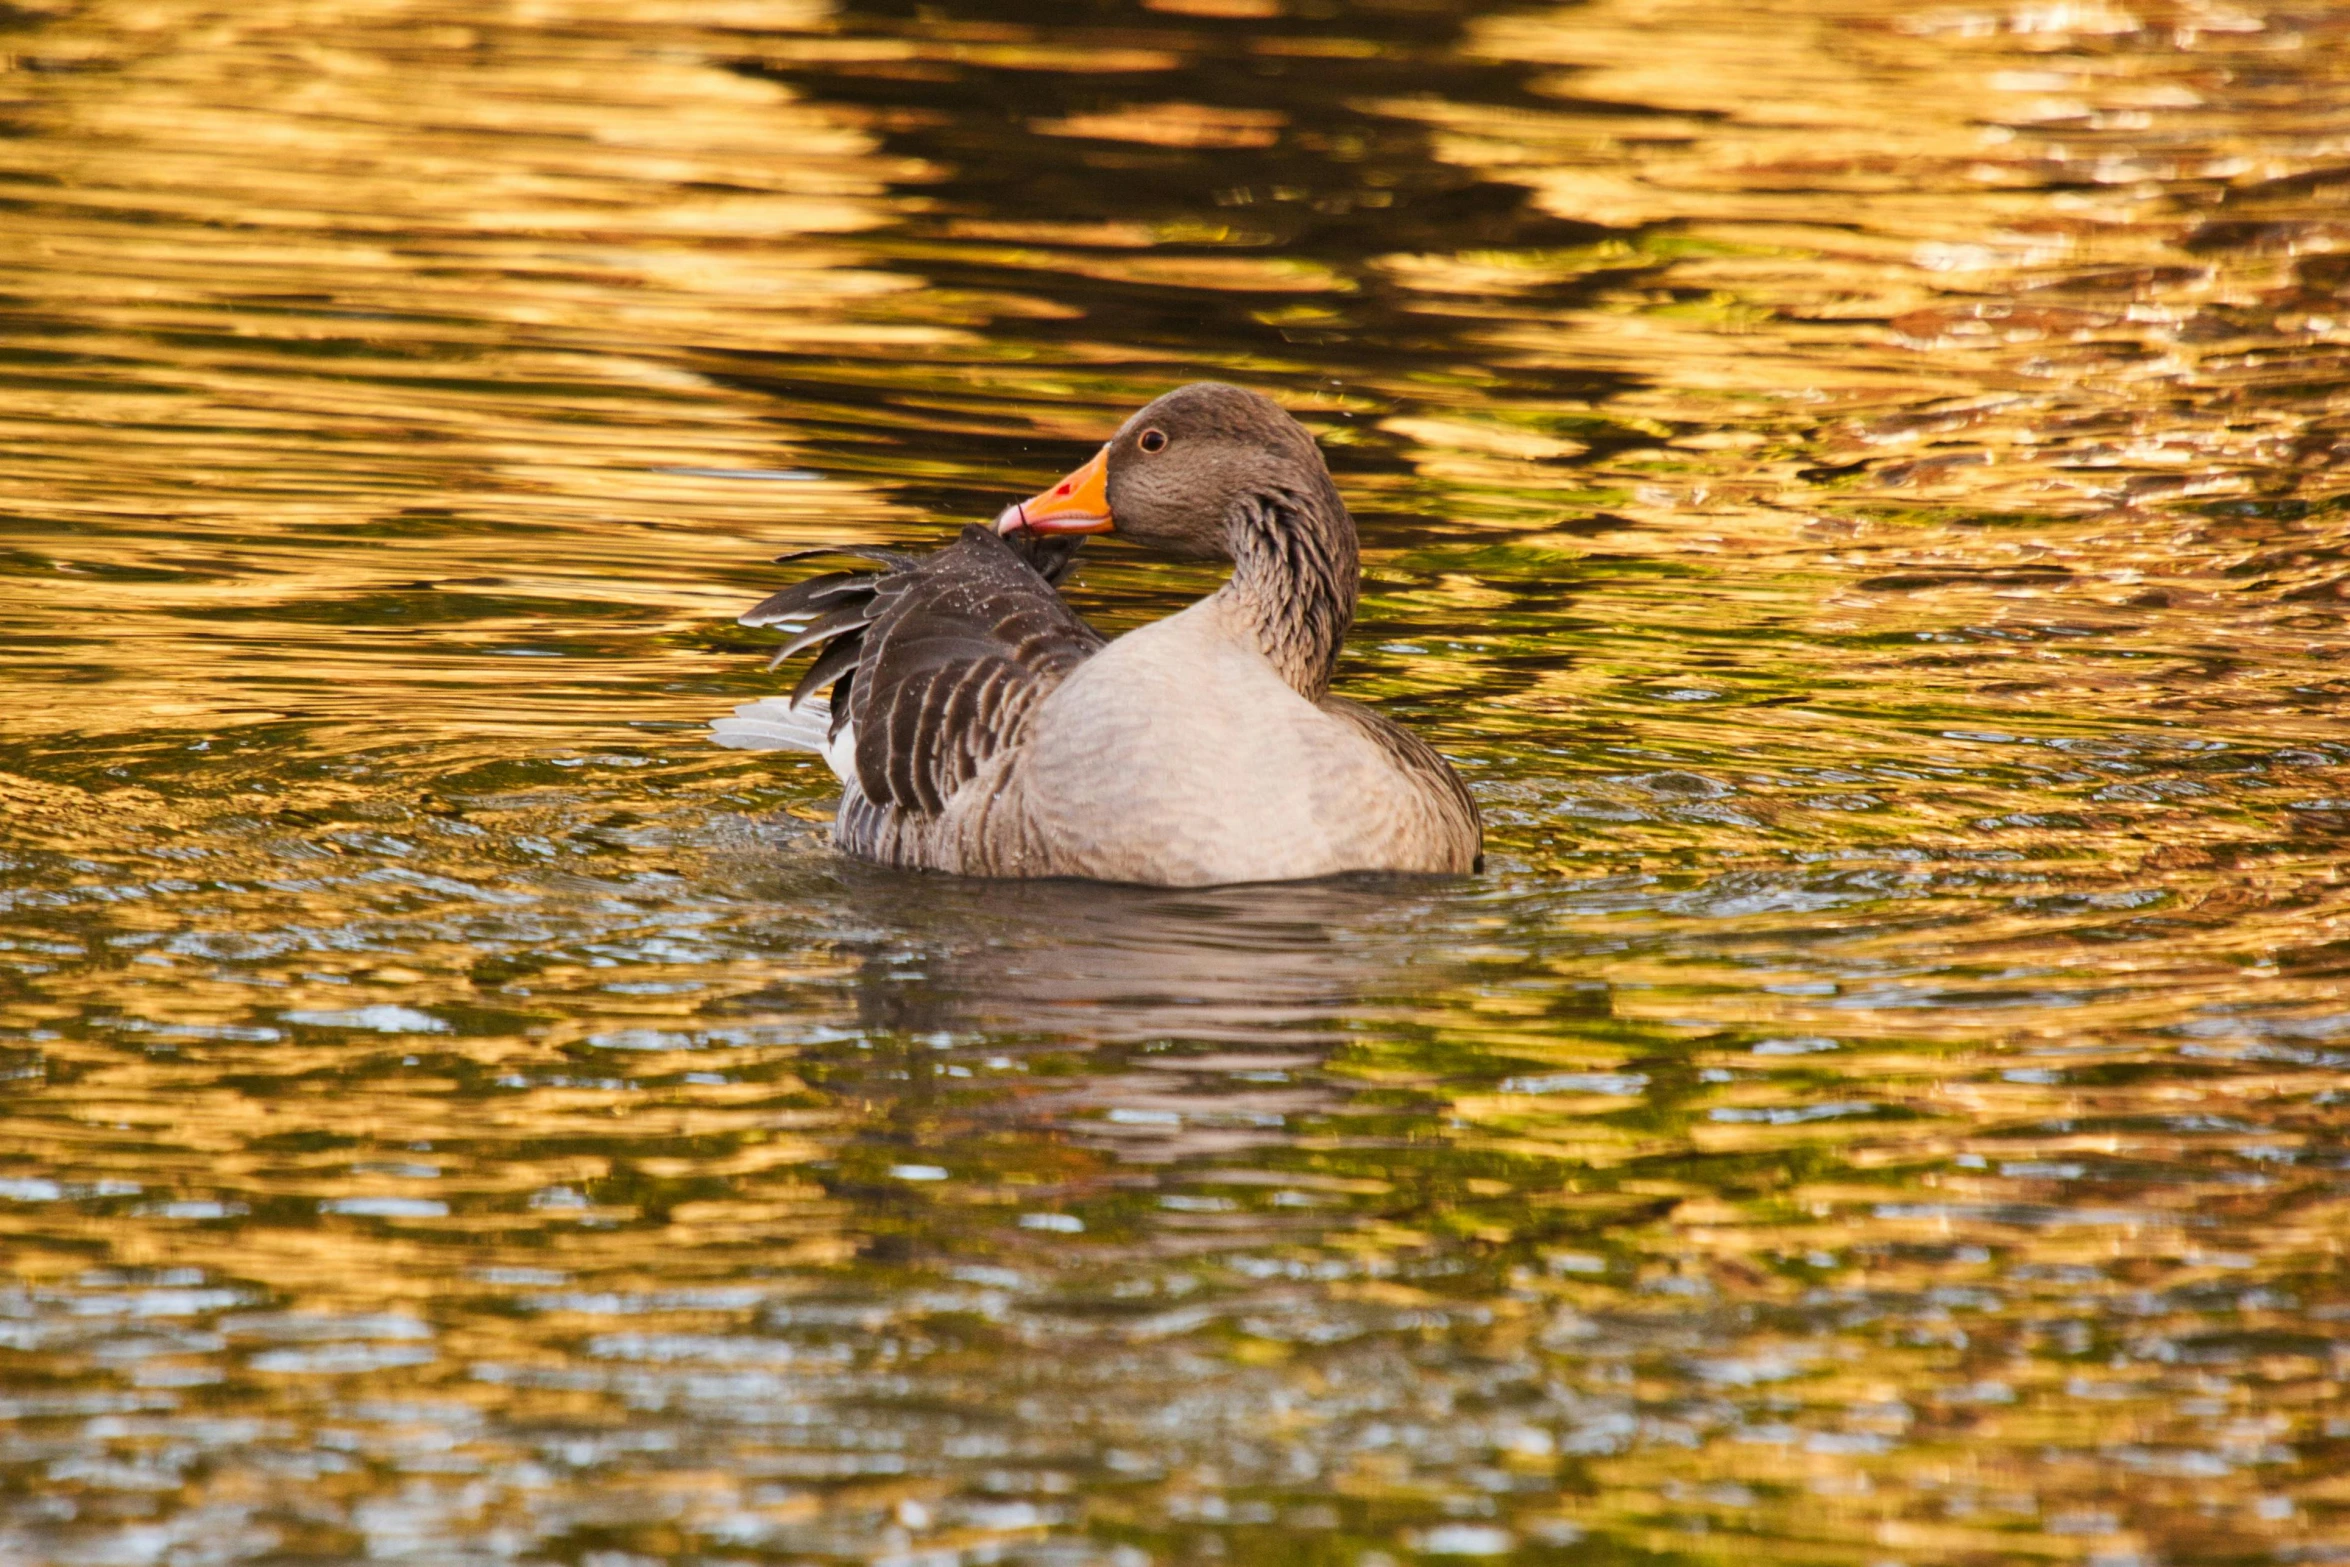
{"x":937,"y":659}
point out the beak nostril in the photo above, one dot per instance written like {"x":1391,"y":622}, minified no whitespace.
{"x":1079,"y":503}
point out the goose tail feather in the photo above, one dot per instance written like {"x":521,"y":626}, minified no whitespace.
{"x":774,"y":724}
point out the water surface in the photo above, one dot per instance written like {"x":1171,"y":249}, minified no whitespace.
{"x":1860,"y":488}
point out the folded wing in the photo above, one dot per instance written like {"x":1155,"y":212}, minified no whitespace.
{"x":936,"y":662}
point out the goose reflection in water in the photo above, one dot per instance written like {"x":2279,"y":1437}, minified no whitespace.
{"x":1206,"y":1015}
{"x":1271,"y":964}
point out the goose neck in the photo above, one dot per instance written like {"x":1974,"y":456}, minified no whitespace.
{"x":1295,"y":570}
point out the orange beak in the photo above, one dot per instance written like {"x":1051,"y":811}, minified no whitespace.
{"x":1078,"y":504}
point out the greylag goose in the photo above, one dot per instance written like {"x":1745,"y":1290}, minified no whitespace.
{"x":979,"y":726}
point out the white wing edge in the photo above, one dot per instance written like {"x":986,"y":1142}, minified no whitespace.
{"x":773,"y":724}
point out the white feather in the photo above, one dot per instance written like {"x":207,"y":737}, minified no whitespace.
{"x":841,"y":754}
{"x":773,"y":724}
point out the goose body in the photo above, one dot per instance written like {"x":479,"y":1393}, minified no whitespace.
{"x":979,"y":726}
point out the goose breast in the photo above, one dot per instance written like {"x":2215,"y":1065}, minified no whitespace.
{"x":1178,"y":755}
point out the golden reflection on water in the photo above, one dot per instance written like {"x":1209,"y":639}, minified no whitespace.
{"x":1860,"y":488}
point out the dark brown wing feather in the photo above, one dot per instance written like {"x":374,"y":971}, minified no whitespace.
{"x":937,"y":659}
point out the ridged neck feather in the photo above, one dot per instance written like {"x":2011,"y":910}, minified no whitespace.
{"x":1295,"y":571}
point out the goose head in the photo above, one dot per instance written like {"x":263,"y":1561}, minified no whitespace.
{"x":1196,"y":474}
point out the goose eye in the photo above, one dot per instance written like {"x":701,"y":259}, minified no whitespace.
{"x":1153,"y":441}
